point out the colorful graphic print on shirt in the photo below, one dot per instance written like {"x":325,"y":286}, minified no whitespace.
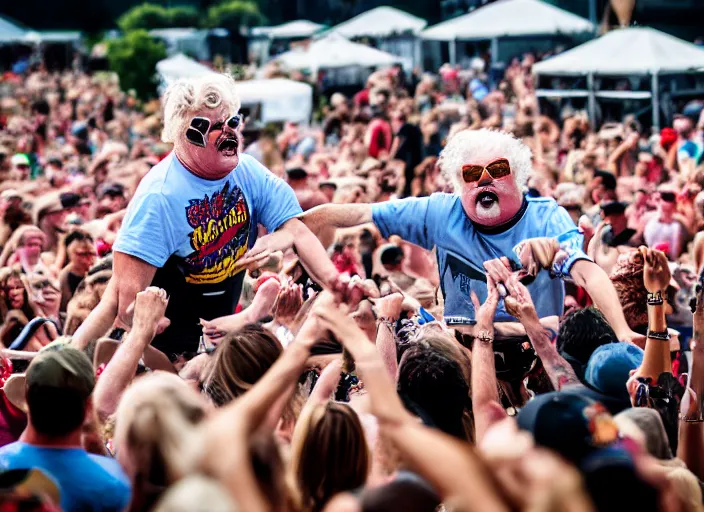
{"x":219,"y":237}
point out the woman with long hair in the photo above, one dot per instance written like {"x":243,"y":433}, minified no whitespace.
{"x":240,"y":361}
{"x":155,"y":437}
{"x":16,"y":306}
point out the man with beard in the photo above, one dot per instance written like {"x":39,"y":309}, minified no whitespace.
{"x":479,"y":230}
{"x":193,"y":218}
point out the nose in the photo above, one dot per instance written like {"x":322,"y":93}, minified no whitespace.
{"x":485,"y":179}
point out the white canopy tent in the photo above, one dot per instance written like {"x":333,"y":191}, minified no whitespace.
{"x":382,"y":21}
{"x":624,"y":52}
{"x":188,"y":40}
{"x":276,"y":100}
{"x":394,"y":30}
{"x":10,"y":32}
{"x":180,"y":66}
{"x":334,"y":51}
{"x":507,"y":18}
{"x":291,"y":30}
{"x":279,"y":99}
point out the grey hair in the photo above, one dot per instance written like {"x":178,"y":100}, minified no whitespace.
{"x":187,"y":97}
{"x":476,"y":146}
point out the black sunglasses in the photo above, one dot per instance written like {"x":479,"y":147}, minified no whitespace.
{"x":200,"y":126}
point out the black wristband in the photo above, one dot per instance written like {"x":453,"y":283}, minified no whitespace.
{"x":655,"y":299}
{"x":659,"y":335}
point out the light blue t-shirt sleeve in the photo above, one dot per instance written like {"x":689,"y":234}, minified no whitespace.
{"x":571,"y":243}
{"x":407,"y":218}
{"x":146,"y":230}
{"x":274,"y":200}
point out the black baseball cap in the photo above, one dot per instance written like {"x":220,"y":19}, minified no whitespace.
{"x":613,"y":208}
{"x":297,"y":173}
{"x":570,"y":424}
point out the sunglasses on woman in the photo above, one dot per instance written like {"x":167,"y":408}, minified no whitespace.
{"x":200,"y":126}
{"x":496,"y":169}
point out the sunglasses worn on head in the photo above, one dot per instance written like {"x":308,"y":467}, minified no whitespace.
{"x":200,"y":126}
{"x":496,"y":169}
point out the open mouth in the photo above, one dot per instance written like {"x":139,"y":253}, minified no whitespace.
{"x":228,"y":146}
{"x":487,"y":199}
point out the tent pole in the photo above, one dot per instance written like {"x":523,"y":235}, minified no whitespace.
{"x":655,"y":88}
{"x":591,"y":100}
{"x":418,"y":53}
{"x":494,"y":53}
{"x":453,"y":52}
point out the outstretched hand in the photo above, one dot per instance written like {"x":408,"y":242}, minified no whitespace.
{"x":485,"y":312}
{"x":518,"y":302}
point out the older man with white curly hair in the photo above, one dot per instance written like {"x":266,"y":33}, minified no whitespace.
{"x":195,"y":217}
{"x":481,"y":230}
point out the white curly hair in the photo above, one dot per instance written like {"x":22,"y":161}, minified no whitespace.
{"x":184,"y":98}
{"x":477,"y":146}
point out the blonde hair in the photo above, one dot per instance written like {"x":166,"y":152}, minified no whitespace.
{"x":475,"y":146}
{"x":196,"y":493}
{"x":155,"y":427}
{"x":187,"y":97}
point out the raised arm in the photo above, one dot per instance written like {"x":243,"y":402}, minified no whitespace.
{"x":691,"y":439}
{"x":149,"y":308}
{"x":592,"y":278}
{"x":235,"y":424}
{"x":130,"y":276}
{"x":520,"y":304}
{"x":323,"y":220}
{"x":461,"y":477}
{"x":656,"y":278}
{"x":485,"y":391}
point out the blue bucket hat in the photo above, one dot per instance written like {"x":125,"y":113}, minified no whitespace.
{"x":609,"y":368}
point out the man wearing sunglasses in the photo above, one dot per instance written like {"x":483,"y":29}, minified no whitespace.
{"x":194,"y":217}
{"x":479,"y":228}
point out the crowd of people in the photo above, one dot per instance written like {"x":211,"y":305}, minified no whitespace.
{"x":436,"y":298}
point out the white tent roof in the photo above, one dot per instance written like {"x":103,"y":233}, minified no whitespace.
{"x":180,"y":66}
{"x":292,"y":29}
{"x":10,"y":31}
{"x":626,"y":51}
{"x":281,"y":99}
{"x":380,"y":22}
{"x":334,"y":51}
{"x":506,"y":18}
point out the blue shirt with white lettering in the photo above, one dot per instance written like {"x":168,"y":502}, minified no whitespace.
{"x":462,"y":248}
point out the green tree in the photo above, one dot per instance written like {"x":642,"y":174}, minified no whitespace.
{"x":133,"y":57}
{"x":145,"y":16}
{"x":183,"y":16}
{"x":149,"y":16}
{"x":233,"y":15}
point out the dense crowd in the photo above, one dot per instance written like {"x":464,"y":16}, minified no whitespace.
{"x":460,"y":348}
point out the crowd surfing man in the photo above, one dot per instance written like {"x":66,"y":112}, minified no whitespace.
{"x":194,"y":217}
{"x":479,"y":230}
